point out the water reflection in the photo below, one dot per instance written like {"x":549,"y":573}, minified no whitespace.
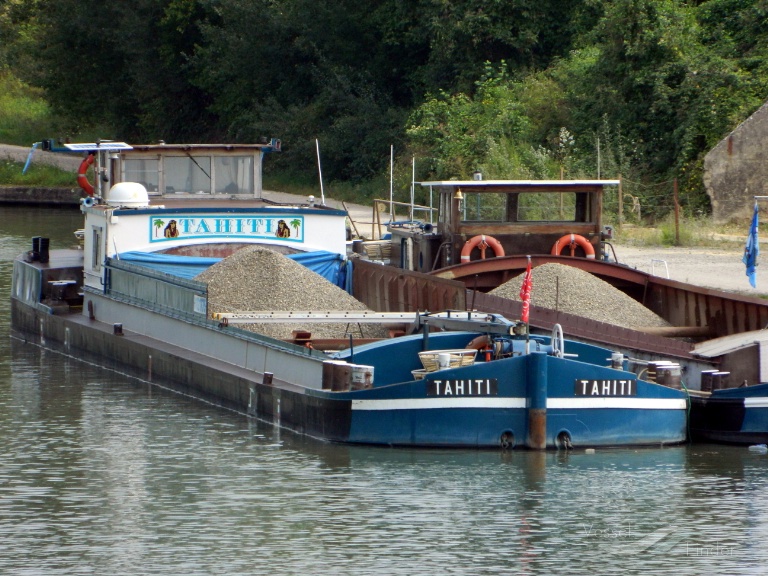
{"x":19,"y":224}
{"x":100,"y":473}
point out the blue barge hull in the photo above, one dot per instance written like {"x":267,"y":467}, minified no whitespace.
{"x":528,"y":396}
{"x":731,"y":416}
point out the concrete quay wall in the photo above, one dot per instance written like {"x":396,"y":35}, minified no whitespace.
{"x":40,"y":195}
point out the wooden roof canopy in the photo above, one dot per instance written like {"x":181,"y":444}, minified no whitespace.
{"x":512,"y":186}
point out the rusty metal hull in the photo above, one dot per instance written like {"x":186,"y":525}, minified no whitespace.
{"x":389,"y":289}
{"x":680,"y":304}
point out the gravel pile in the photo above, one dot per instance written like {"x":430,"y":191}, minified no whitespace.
{"x":574,"y":291}
{"x":257,"y":279}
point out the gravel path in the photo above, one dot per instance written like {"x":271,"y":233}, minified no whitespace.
{"x":707,"y":267}
{"x":58,"y":159}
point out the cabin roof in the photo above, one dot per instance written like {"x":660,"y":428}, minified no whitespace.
{"x":521,"y":185}
{"x":214,"y":203}
{"x":727,"y":344}
{"x":199,"y":147}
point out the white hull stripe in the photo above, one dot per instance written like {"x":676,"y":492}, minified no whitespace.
{"x":617,"y":402}
{"x":432,"y":403}
{"x":520,"y":403}
{"x":757,"y":402}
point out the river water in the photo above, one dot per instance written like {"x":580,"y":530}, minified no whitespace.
{"x":105,"y":474}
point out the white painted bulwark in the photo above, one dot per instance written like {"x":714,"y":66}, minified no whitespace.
{"x":111,"y":231}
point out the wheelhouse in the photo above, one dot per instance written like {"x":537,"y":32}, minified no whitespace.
{"x":504,"y":217}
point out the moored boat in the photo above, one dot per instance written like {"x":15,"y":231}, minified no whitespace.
{"x":731,"y":415}
{"x":460,"y":380}
{"x":732,"y":408}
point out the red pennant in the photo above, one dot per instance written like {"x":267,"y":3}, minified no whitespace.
{"x":525,"y":291}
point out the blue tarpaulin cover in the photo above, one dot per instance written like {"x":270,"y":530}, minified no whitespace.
{"x":182,"y":266}
{"x":329,"y":265}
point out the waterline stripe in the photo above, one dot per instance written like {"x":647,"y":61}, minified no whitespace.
{"x":520,"y":403}
{"x":433,"y":403}
{"x":756,"y":402}
{"x":617,"y":402}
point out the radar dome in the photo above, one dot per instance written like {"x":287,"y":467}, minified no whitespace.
{"x":128,"y":194}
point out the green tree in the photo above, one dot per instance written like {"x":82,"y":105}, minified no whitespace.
{"x":459,"y":131}
{"x":463,"y":35}
{"x":463,"y":85}
{"x":18,"y":26}
{"x":648,"y":80}
{"x":303,"y":71}
{"x":124,"y":65}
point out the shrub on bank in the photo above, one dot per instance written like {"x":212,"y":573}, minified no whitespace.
{"x":37,"y":175}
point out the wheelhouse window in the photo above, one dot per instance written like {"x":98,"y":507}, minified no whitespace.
{"x":487,"y":207}
{"x":233,"y":174}
{"x":193,"y":171}
{"x":188,"y":174}
{"x":525,"y":207}
{"x":547,"y":207}
{"x":145,"y":171}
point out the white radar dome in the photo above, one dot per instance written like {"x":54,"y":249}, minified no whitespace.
{"x":128,"y":194}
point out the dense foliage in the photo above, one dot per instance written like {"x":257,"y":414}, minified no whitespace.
{"x":515,"y":88}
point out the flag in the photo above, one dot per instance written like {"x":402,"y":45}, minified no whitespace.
{"x":752,"y":249}
{"x":525,"y":291}
{"x":29,"y":158}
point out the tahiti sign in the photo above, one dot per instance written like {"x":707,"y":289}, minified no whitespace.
{"x":289,"y":228}
{"x":468,"y":387}
{"x":623,"y":387}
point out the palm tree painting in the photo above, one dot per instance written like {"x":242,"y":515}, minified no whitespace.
{"x":158,"y":224}
{"x":296,"y":223}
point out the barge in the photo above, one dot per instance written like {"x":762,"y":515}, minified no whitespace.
{"x":453,"y":379}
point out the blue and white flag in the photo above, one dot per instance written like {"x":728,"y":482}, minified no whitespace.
{"x":29,"y":158}
{"x":752,"y":249}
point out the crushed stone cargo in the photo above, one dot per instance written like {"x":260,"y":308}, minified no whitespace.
{"x":257,"y":278}
{"x":574,"y":291}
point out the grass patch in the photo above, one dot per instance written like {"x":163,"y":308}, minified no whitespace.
{"x":26,"y":117}
{"x":37,"y":175}
{"x":24,"y":114}
{"x":699,"y":232}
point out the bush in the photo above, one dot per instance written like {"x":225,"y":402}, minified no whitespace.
{"x":24,"y":115}
{"x":37,"y":175}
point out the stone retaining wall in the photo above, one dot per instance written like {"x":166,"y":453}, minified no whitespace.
{"x":736,"y":170}
{"x":40,"y":195}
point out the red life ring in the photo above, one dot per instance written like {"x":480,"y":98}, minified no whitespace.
{"x":82,"y":179}
{"x":483,"y":242}
{"x":574,"y":240}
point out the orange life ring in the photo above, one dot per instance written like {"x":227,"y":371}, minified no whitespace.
{"x":482,"y":344}
{"x":82,"y":179}
{"x":483,"y":242}
{"x":574,"y":240}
